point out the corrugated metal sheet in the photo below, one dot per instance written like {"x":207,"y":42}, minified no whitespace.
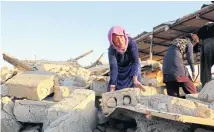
{"x":164,"y":33}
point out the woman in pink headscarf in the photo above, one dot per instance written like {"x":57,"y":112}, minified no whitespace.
{"x":124,"y":60}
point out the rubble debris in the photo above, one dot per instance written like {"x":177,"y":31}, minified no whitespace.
{"x":202,"y":130}
{"x":101,"y":118}
{"x":81,"y":56}
{"x":170,"y":104}
{"x":207,"y":92}
{"x":159,"y":125}
{"x":111,"y":129}
{"x":101,"y":128}
{"x":211,"y":106}
{"x":99,"y":85}
{"x":17,"y":63}
{"x":47,"y":111}
{"x":112,"y":99}
{"x":8,"y":121}
{"x":73,"y":121}
{"x":60,"y":92}
{"x":130,"y":130}
{"x":6,"y":74}
{"x":32,"y":85}
{"x":128,"y":96}
{"x":68,"y":72}
{"x":31,"y":129}
{"x":100,"y":70}
{"x":4,"y":90}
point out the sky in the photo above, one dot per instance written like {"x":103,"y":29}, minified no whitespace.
{"x":64,"y":30}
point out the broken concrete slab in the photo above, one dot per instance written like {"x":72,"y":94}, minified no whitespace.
{"x":32,"y":85}
{"x":73,"y":121}
{"x":4,"y":90}
{"x":127,"y":96}
{"x":159,"y":125}
{"x":8,"y":121}
{"x":150,"y":113}
{"x":171,"y":104}
{"x":6,"y":74}
{"x":207,"y":92}
{"x":112,"y":99}
{"x":99,"y":86}
{"x":47,"y":111}
{"x":60,"y":92}
{"x":68,"y":71}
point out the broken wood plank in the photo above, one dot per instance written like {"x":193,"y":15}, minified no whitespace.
{"x":16,"y":62}
{"x":98,"y":61}
{"x":81,"y":56}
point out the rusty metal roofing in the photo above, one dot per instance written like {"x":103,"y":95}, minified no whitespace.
{"x":164,"y":33}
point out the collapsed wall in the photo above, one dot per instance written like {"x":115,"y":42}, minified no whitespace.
{"x":47,"y":111}
{"x":8,"y":120}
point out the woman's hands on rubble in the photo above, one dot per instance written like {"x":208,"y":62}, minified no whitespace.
{"x":138,"y":84}
{"x":112,"y":88}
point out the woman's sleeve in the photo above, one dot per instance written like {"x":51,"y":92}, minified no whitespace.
{"x":113,"y":67}
{"x":135,"y":58}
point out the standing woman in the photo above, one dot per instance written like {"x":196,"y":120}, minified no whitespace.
{"x":175,"y":74}
{"x":124,"y":60}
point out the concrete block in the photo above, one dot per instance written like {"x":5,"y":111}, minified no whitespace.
{"x":211,"y":106}
{"x":179,"y":106}
{"x":32,"y":85}
{"x":60,"y":92}
{"x":48,"y":111}
{"x":207,"y":92}
{"x":8,"y":121}
{"x":70,"y":122}
{"x":112,"y":99}
{"x":68,"y":72}
{"x":99,"y":87}
{"x":4,"y":90}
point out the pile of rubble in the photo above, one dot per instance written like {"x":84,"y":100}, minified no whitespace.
{"x":158,"y":112}
{"x":47,"y":97}
{"x":63,"y":96}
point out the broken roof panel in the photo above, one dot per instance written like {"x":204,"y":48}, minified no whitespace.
{"x":164,"y":33}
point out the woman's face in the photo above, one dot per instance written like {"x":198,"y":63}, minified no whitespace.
{"x":119,"y":41}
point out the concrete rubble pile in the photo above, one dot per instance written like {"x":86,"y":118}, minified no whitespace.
{"x":64,"y":96}
{"x":51,"y":96}
{"x":158,"y":112}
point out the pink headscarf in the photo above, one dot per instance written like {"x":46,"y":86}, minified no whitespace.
{"x":119,"y":31}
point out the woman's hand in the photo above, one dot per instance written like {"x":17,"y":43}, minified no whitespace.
{"x":112,"y":88}
{"x":138,"y":84}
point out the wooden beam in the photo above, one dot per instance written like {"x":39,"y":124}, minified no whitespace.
{"x":98,"y":61}
{"x":16,"y":62}
{"x":81,"y":56}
